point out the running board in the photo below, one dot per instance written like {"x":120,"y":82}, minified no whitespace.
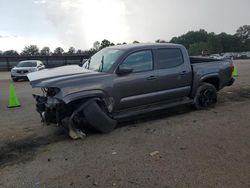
{"x":149,"y":108}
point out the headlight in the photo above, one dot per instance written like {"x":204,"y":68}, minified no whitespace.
{"x":13,"y":71}
{"x":52,"y":91}
{"x":33,"y":70}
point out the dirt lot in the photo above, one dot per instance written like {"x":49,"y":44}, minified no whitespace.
{"x":193,"y":148}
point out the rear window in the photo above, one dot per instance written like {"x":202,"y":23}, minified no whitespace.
{"x":168,"y":58}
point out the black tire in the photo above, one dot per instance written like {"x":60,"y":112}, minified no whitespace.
{"x":205,"y":97}
{"x":14,"y":79}
{"x":98,"y":118}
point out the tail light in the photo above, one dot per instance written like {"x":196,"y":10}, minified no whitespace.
{"x":232,"y":68}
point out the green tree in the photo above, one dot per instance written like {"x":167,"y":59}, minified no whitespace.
{"x":105,"y":43}
{"x":45,"y":51}
{"x":91,"y":51}
{"x":229,"y":43}
{"x":191,"y":37}
{"x":136,"y":42}
{"x":79,"y":51}
{"x":198,"y":48}
{"x":160,"y":41}
{"x":10,"y":53}
{"x":71,"y":51}
{"x":243,"y":32}
{"x":58,"y":51}
{"x":96,"y":45}
{"x":31,"y":50}
{"x":214,"y":44}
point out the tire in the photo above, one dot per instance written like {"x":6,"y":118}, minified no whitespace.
{"x":14,"y":79}
{"x":98,"y":118}
{"x":205,"y":97}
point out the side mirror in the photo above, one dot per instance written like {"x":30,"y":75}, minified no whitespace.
{"x":124,"y":70}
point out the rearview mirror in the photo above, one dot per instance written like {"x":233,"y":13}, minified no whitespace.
{"x":124,"y":70}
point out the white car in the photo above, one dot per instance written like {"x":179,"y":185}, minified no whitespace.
{"x":24,"y":67}
{"x":216,"y":56}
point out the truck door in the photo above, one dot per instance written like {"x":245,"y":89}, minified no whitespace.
{"x":174,"y":74}
{"x":138,"y":87}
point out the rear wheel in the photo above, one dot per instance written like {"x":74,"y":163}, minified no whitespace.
{"x":206,"y":96}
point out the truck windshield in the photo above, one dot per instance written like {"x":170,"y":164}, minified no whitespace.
{"x":103,"y":60}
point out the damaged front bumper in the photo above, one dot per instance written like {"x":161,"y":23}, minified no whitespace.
{"x":75,"y":115}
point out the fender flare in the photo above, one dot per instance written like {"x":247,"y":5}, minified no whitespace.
{"x":207,"y":76}
{"x":84,"y":94}
{"x":201,"y":80}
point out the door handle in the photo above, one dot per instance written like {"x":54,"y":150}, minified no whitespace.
{"x":151,"y":77}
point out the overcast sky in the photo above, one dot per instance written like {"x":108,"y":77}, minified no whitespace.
{"x":80,"y":23}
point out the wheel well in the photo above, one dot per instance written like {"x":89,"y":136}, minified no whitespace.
{"x":214,"y":81}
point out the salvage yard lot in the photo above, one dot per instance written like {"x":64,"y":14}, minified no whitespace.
{"x":188,"y":148}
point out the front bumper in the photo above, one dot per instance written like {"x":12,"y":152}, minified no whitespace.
{"x":19,"y":76}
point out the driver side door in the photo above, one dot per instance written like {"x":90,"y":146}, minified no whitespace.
{"x":136,"y":88}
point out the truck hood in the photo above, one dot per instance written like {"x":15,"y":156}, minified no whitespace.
{"x":55,"y":76}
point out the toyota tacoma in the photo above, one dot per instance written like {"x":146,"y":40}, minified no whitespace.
{"x":127,"y":80}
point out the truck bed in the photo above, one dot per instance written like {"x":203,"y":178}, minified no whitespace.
{"x":194,"y":60}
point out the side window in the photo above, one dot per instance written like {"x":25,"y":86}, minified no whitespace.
{"x":168,"y":58}
{"x":139,"y":61}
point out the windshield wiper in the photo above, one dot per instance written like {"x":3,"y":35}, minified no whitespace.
{"x":101,"y":65}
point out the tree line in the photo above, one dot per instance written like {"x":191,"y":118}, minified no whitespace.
{"x":195,"y":41}
{"x":199,"y":41}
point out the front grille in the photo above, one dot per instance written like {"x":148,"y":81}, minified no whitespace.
{"x":22,"y":71}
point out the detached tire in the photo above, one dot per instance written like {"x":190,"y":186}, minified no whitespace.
{"x":97,"y":118}
{"x":205,"y":97}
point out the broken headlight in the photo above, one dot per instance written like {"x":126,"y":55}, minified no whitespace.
{"x":51,"y":91}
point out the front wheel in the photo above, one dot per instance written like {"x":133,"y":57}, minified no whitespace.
{"x":206,"y":96}
{"x":14,"y":79}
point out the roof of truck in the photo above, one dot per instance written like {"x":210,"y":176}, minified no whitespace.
{"x":144,"y":45}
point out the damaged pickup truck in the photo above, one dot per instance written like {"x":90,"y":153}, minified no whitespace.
{"x":127,"y":80}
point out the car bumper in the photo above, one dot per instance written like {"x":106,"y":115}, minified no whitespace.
{"x":19,"y":76}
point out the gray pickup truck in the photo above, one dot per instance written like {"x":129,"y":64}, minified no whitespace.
{"x":127,"y":80}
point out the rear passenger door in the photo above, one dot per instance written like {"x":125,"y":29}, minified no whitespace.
{"x":174,"y":75}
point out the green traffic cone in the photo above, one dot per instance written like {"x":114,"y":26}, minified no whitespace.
{"x":235,"y":73}
{"x":13,"y":100}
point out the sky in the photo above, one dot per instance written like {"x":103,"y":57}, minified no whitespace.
{"x":79,"y":23}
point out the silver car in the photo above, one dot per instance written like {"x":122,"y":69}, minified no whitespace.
{"x":24,"y":67}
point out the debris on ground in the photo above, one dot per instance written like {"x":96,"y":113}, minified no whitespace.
{"x":75,"y":133}
{"x":183,"y":148}
{"x":149,"y":130}
{"x":154,"y":153}
{"x":95,"y":183}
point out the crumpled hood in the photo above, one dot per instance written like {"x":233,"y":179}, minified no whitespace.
{"x":48,"y":77}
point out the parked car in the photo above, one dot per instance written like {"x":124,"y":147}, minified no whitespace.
{"x":21,"y":70}
{"x":216,"y":56}
{"x":123,"y":81}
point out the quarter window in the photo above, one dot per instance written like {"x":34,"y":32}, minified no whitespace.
{"x":139,"y":61}
{"x":168,"y":58}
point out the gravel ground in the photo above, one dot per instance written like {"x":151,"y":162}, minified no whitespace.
{"x":178,"y":147}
